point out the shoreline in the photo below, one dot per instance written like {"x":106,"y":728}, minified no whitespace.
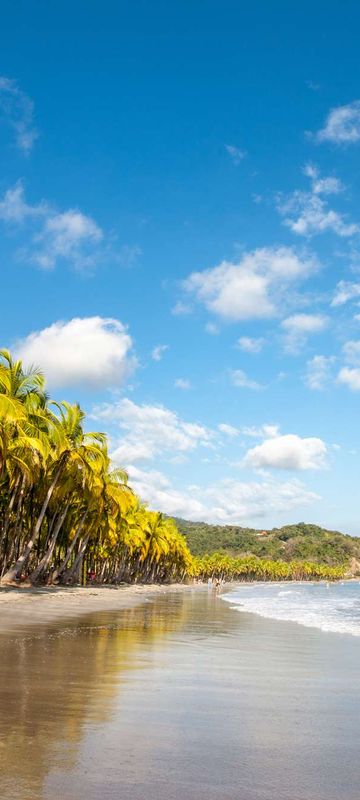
{"x":25,"y":606}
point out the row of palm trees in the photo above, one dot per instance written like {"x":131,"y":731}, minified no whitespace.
{"x":64,"y":510}
{"x":250,"y":568}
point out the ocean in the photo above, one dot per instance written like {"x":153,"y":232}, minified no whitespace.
{"x":331,"y":607}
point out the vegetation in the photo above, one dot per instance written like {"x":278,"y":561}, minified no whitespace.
{"x":251,"y":568}
{"x":292,"y":542}
{"x":66,"y":512}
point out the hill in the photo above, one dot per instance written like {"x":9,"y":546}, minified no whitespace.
{"x":301,"y":541}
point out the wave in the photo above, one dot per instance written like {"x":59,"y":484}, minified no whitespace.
{"x":333,"y":608}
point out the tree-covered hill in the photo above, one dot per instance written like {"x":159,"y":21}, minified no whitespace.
{"x":301,"y":541}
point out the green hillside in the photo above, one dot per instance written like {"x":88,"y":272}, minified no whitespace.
{"x":300,"y":542}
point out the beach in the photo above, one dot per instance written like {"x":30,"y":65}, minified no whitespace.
{"x":175,"y":694}
{"x":26,"y":606}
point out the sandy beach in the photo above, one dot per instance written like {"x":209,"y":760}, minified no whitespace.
{"x":25,"y":606}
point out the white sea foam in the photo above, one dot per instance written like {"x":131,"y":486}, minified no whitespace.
{"x":330,"y":607}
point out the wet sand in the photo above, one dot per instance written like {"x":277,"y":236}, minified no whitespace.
{"x":178,"y":697}
{"x":40,"y":605}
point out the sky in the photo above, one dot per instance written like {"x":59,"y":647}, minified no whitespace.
{"x":180,"y":243}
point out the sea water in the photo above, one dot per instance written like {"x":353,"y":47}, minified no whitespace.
{"x":332,"y":607}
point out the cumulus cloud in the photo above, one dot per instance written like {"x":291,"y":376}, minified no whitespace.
{"x":288,"y":452}
{"x":237,"y":155}
{"x":351,"y":351}
{"x":254,"y":287}
{"x":342,"y":125}
{"x":308,"y":213}
{"x":15,"y":209}
{"x":319,"y":185}
{"x":319,"y":372}
{"x":158,"y":351}
{"x":150,"y":431}
{"x":250,"y":345}
{"x":226,"y":502}
{"x":240,"y":378}
{"x":345,"y":291}
{"x":17,"y":110}
{"x":350,"y":377}
{"x":92,"y":351}
{"x":68,"y":236}
{"x":299,"y":326}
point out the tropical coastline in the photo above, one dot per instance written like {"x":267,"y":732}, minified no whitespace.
{"x":68,"y":515}
{"x":179,"y":400}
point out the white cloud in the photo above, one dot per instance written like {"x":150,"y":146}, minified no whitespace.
{"x":318,"y":372}
{"x":342,"y":125}
{"x":351,"y":352}
{"x":307,"y":213}
{"x":240,"y":378}
{"x":254,"y":287}
{"x":350,"y":378}
{"x":89,"y":351}
{"x":15,"y":209}
{"x":182,"y":383}
{"x":156,"y":490}
{"x":249,"y":345}
{"x":330,"y":185}
{"x":264,"y":431}
{"x":226,"y":502}
{"x":344,"y":292}
{"x":299,"y":326}
{"x":228,"y":430}
{"x":17,"y":110}
{"x":151,"y":431}
{"x":158,"y":351}
{"x":287,"y":452}
{"x":237,"y":155}
{"x":70,"y":236}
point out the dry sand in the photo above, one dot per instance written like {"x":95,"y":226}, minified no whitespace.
{"x":33,"y":606}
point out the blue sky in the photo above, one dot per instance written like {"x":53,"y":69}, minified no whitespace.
{"x":180,"y":243}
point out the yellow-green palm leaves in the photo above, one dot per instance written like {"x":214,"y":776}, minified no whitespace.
{"x":64,"y":508}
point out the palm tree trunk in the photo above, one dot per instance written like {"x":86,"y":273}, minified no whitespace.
{"x":16,"y":570}
{"x":56,"y":574}
{"x":76,"y":567}
{"x":45,"y":560}
{"x":9,"y":511}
